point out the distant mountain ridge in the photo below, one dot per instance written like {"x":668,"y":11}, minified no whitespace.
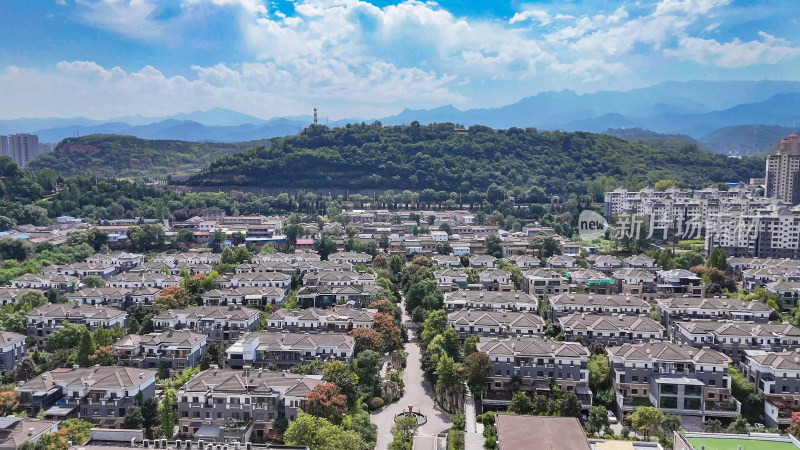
{"x":694,"y":108}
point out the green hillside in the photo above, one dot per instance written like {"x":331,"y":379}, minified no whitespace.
{"x":435,"y":157}
{"x":128,"y":156}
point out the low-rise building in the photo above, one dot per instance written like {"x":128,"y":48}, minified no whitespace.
{"x":106,"y":296}
{"x":450,"y":279}
{"x":236,"y":404}
{"x":590,"y":281}
{"x":257,"y":297}
{"x":679,"y":282}
{"x":610,"y":329}
{"x":481,"y":300}
{"x":543,"y":283}
{"x":604,"y":263}
{"x":689,"y":308}
{"x":469,"y":323}
{"x":178,"y":349}
{"x":12,"y":350}
{"x":560,"y":262}
{"x":219,"y":323}
{"x":44,"y":283}
{"x":283,"y":350}
{"x":633,"y":281}
{"x":47,"y":318}
{"x":321,"y":320}
{"x":733,"y":338}
{"x":17,"y":431}
{"x":100,"y":394}
{"x":524,"y":262}
{"x":135,"y":280}
{"x":496,"y":280}
{"x":531,"y":364}
{"x":641,"y":262}
{"x":598,"y":304}
{"x":678,"y":379}
{"x":776,"y":375}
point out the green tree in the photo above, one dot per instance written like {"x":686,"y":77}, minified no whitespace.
{"x":69,"y":336}
{"x":713,"y":426}
{"x":93,"y":281}
{"x":133,"y":419}
{"x":477,"y":368}
{"x":341,"y":375}
{"x":599,"y":372}
{"x":520,"y":404}
{"x":646,"y":420}
{"x":492,"y":245}
{"x":367,"y":366}
{"x":325,"y":246}
{"x":717,"y":259}
{"x":670,"y":424}
{"x":598,"y":419}
{"x":151,"y":417}
{"x":570,"y":405}
{"x":739,"y":426}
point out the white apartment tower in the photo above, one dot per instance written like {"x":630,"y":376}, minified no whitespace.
{"x":783,"y":171}
{"x":23,"y":148}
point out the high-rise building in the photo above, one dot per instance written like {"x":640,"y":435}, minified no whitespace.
{"x":783,"y":171}
{"x":4,"y":149}
{"x":24,"y":147}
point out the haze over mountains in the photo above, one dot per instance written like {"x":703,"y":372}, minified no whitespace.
{"x":699,"y":109}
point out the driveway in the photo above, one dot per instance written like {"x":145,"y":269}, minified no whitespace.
{"x":419,"y":393}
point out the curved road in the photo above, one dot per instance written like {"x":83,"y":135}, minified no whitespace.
{"x":419,"y":393}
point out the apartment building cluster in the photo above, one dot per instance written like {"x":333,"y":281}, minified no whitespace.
{"x":23,"y":147}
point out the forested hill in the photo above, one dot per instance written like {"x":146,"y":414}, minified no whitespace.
{"x":127,"y":156}
{"x":435,"y":157}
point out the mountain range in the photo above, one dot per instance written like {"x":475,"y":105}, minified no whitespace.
{"x":708,"y":111}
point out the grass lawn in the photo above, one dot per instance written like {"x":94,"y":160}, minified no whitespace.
{"x":730,"y":444}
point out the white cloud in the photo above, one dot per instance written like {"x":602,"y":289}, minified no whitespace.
{"x":735,"y":54}
{"x":532,"y":14}
{"x":131,"y":18}
{"x":84,"y":88}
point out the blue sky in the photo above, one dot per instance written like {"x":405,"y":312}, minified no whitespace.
{"x":351,"y":58}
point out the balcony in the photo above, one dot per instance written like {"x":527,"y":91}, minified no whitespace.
{"x":631,"y":403}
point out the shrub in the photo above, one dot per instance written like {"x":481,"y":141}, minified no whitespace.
{"x":375,"y":403}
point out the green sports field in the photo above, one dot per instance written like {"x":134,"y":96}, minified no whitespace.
{"x":730,"y":444}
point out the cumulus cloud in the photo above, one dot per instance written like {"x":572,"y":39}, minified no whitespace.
{"x":735,"y":54}
{"x":533,"y":14}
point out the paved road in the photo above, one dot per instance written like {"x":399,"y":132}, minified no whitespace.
{"x":419,"y":393}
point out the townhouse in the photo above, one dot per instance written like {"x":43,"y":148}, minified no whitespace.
{"x":604,"y":263}
{"x":81,"y":269}
{"x":641,"y":262}
{"x":268,"y":266}
{"x":590,"y":281}
{"x":482,"y":262}
{"x":219,"y":323}
{"x":133,"y":280}
{"x":524,"y":262}
{"x":560,"y":262}
{"x":39,"y":282}
{"x":597,"y":304}
{"x":100,"y":394}
{"x":352,"y":258}
{"x":122,"y":261}
{"x":689,"y":308}
{"x":450,"y":279}
{"x":177,"y":349}
{"x":257,"y":279}
{"x":12,"y":350}
{"x":634,"y":281}
{"x":676,"y":378}
{"x":234,"y":404}
{"x":284,"y":350}
{"x":776,"y":375}
{"x":543,"y":283}
{"x":467,"y":323}
{"x":482,"y":300}
{"x":321,"y":320}
{"x":610,"y":329}
{"x":446,"y":260}
{"x":679,"y":282}
{"x":9,"y":295}
{"x":326,"y":296}
{"x":496,"y":280}
{"x":788,"y":290}
{"x":42,"y":321}
{"x":531,"y":363}
{"x":733,"y":338}
{"x":106,"y":296}
{"x":257,"y":297}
